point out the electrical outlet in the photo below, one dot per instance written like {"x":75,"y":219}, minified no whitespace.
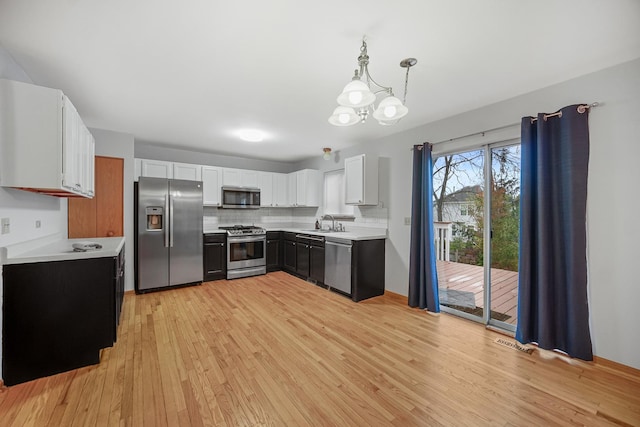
{"x":38,"y":223}
{"x":6,"y":225}
{"x":407,"y":220}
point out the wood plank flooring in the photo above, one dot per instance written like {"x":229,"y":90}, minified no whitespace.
{"x":275,"y":350}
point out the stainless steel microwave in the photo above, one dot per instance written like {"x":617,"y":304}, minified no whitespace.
{"x":240,"y":197}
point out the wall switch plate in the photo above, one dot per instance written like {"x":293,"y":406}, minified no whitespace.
{"x":407,"y":220}
{"x":6,"y":225}
{"x":38,"y":223}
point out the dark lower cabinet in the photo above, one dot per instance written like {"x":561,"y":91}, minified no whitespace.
{"x":302,"y":257}
{"x":310,"y":258}
{"x":58,"y":315}
{"x":119,"y":284}
{"x":275,"y":250}
{"x":214,"y":256}
{"x":316,"y":261}
{"x":367,"y":269}
{"x":289,"y":251}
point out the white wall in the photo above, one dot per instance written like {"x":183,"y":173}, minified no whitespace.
{"x":613,"y":204}
{"x":115,"y":144}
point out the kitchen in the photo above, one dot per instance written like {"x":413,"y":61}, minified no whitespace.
{"x":615,"y":85}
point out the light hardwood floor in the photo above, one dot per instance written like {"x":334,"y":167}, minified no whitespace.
{"x":275,"y":350}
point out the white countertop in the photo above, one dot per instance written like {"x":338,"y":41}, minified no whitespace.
{"x":355,"y":234}
{"x":360,"y":234}
{"x":61,"y":250}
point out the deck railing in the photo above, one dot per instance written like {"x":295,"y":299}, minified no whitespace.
{"x":443,"y":232}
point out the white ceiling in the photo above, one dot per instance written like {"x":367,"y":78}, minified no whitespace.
{"x":190,"y":74}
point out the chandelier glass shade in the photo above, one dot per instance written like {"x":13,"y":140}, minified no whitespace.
{"x":358,"y":98}
{"x":344,"y":116}
{"x":356,"y":94}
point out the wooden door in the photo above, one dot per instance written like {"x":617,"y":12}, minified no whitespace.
{"x":101,"y":216}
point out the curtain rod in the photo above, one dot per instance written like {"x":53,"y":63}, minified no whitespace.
{"x":582,"y":107}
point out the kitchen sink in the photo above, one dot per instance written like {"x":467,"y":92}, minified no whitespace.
{"x":321,"y":231}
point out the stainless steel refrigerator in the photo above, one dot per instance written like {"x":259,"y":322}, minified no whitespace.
{"x":168,"y":233}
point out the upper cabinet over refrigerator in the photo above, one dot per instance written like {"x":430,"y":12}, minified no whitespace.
{"x":44,"y":145}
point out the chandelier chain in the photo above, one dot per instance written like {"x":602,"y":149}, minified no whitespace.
{"x":406,"y":83}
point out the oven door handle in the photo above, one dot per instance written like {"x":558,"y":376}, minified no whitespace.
{"x":244,"y":239}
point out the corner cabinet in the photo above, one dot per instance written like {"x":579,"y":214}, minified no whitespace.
{"x":44,"y":145}
{"x":361,"y":180}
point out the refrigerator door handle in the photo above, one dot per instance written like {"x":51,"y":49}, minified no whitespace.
{"x":171,"y":221}
{"x":166,"y":231}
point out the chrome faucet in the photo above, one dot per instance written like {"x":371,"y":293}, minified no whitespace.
{"x":333,"y":221}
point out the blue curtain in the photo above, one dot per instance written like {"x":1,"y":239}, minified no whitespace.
{"x":552,"y":289}
{"x":423,"y":278}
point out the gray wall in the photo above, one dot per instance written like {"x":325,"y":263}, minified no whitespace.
{"x":145,"y":150}
{"x":613,"y":203}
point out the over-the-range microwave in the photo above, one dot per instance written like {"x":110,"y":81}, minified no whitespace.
{"x":240,"y":197}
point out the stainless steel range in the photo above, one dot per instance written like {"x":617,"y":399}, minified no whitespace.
{"x":246,"y":250}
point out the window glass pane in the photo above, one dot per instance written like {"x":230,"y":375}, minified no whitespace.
{"x":458,"y":182}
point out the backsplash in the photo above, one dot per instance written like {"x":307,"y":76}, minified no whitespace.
{"x":365,"y":217}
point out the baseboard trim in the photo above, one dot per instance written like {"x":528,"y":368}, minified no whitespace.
{"x":596,"y":359}
{"x":397,"y":297}
{"x":617,"y":366}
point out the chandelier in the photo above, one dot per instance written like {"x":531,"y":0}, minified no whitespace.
{"x":358,"y":98}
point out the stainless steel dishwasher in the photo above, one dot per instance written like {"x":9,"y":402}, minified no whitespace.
{"x":337,"y":265}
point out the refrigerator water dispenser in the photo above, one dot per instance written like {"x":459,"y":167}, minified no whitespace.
{"x":154,"y":218}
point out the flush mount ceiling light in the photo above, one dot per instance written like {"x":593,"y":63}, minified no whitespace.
{"x":251,"y":135}
{"x":358,"y":97}
{"x":327,"y":153}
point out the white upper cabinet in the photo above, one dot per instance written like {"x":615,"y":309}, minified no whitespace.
{"x":292,"y":185}
{"x":239,"y":178}
{"x":304,"y":188}
{"x":361,"y":180}
{"x":249,"y":178}
{"x":44,"y":145}
{"x":266,"y":188}
{"x":211,"y":185}
{"x":156,"y":169}
{"x":231,"y":177}
{"x":280,"y":190}
{"x":187,"y":171}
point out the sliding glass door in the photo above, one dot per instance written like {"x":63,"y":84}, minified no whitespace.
{"x":458,"y":182}
{"x":504,"y":202}
{"x":477,"y":232}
